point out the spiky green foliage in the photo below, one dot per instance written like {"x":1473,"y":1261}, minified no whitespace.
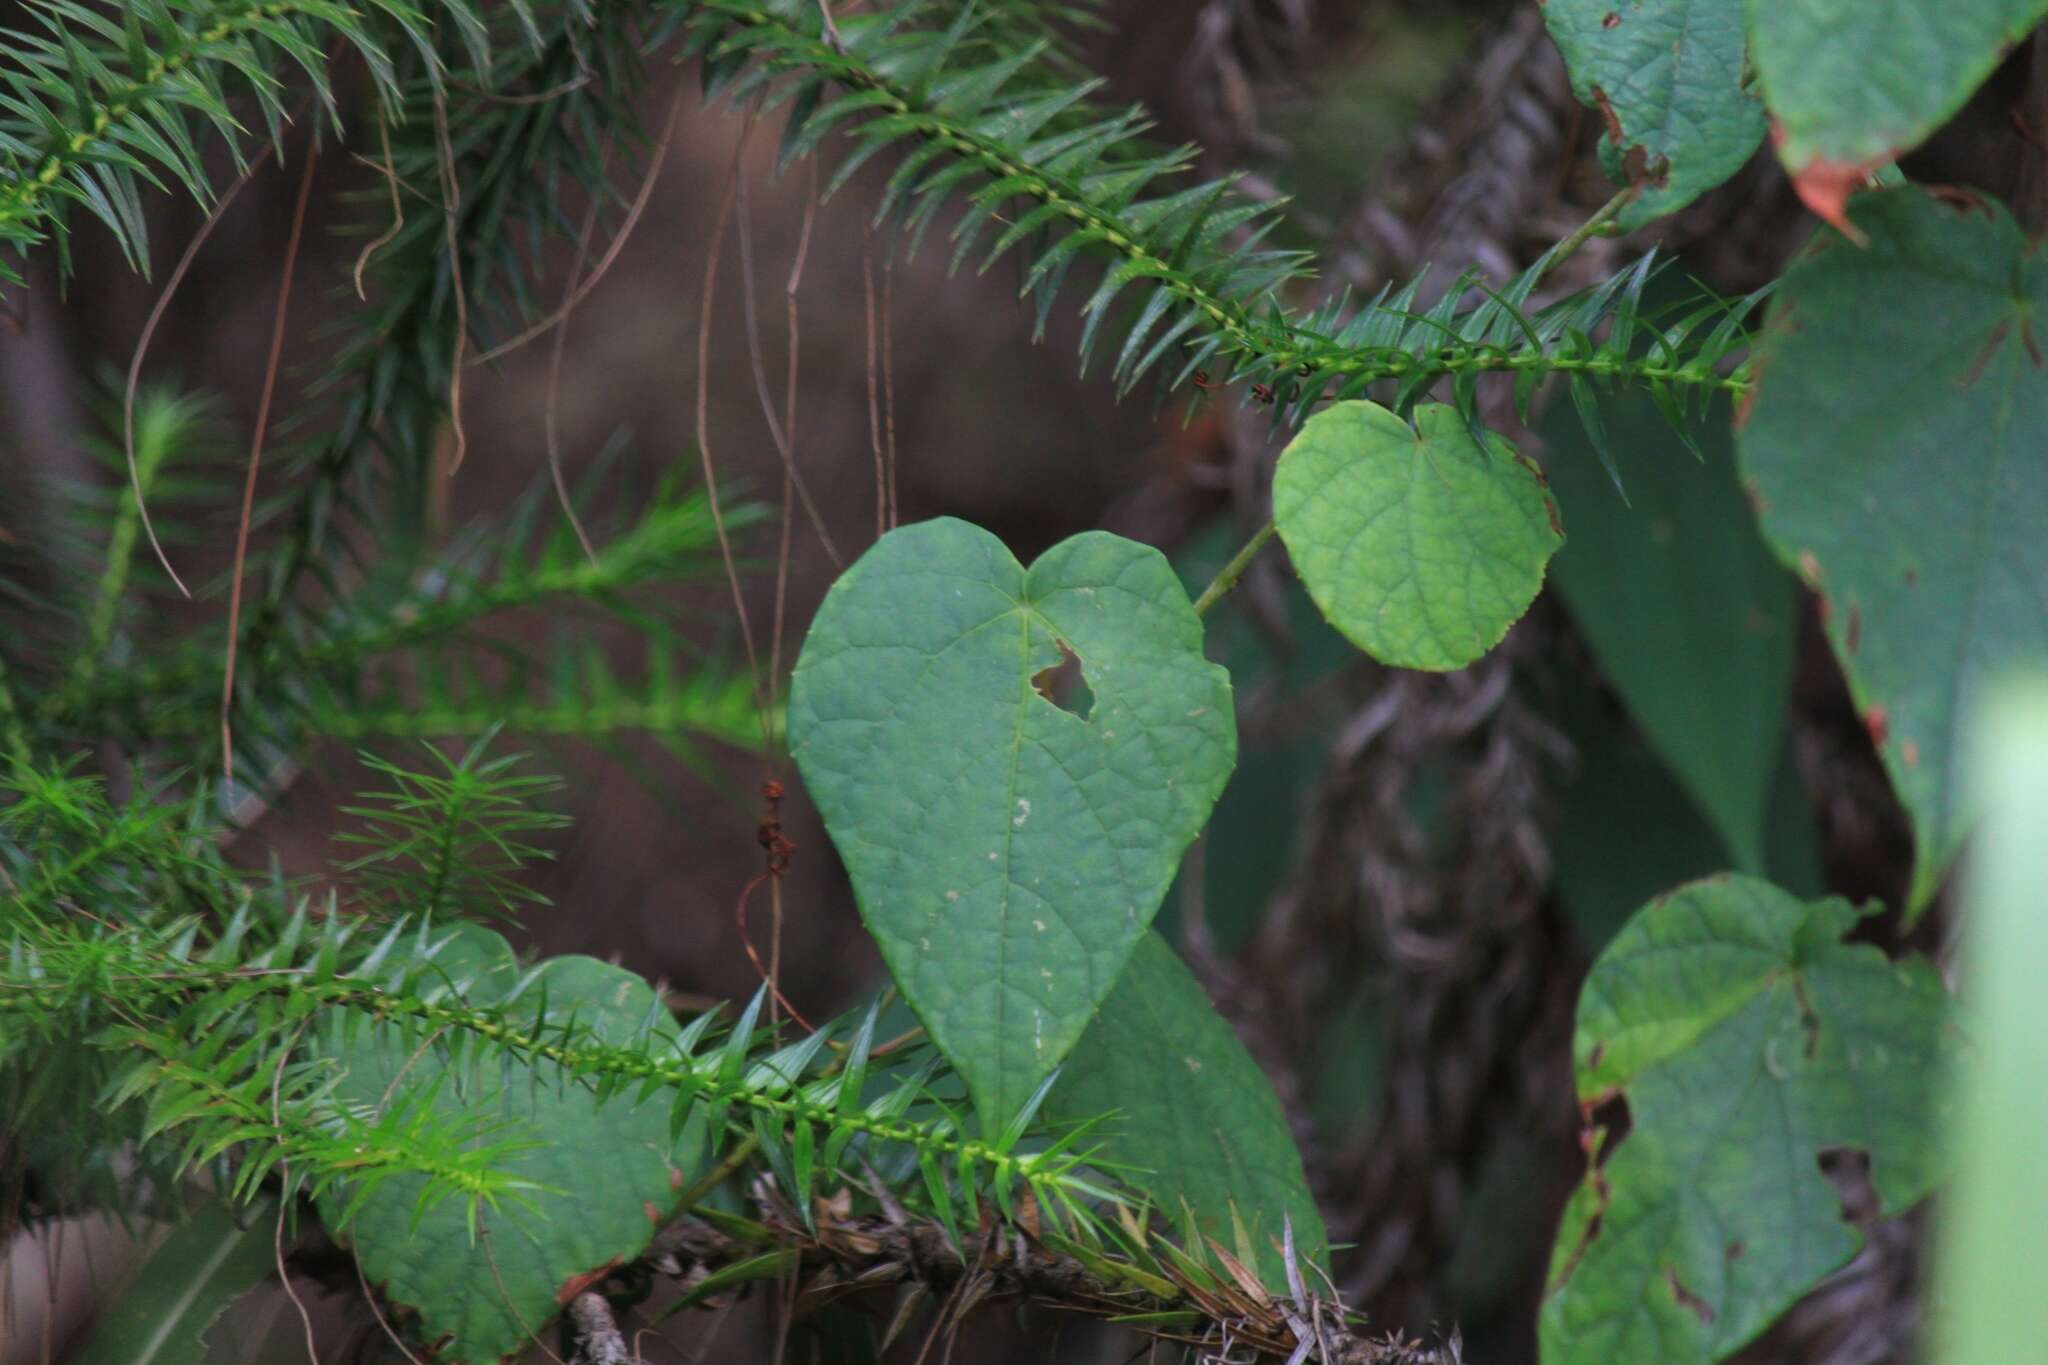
{"x":161,"y":1007}
{"x":1187,"y":275}
{"x":105,"y":100}
{"x":321,"y":679}
{"x":211,"y":1020}
{"x":450,"y":839}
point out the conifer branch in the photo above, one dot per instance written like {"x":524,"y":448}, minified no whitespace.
{"x":1216,"y":301}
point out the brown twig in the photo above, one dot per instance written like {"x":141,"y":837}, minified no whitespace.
{"x":732,"y":573}
{"x":840,"y":1253}
{"x":284,"y":1277}
{"x":383,"y":239}
{"x":149,"y":326}
{"x":284,"y":291}
{"x":867,"y":279}
{"x":783,"y":432}
{"x":889,"y":383}
{"x":551,"y":401}
{"x":618,"y":242}
{"x":777,"y":849}
{"x":451,"y":211}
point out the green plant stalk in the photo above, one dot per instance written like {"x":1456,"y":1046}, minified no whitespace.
{"x":723,"y":1170}
{"x":413,"y":622}
{"x":21,"y":201}
{"x":728,"y":715}
{"x":1586,"y":231}
{"x":1227,"y":577}
{"x":12,"y":732}
{"x":106,"y":600}
{"x":1285,"y":346}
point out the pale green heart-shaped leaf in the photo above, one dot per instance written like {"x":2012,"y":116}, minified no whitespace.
{"x":1747,"y":1039}
{"x":1008,"y":854}
{"x":1857,"y":82}
{"x":1191,"y":1110}
{"x":602,"y":1176}
{"x":1666,"y":75}
{"x":1898,"y":452}
{"x":1417,"y":543}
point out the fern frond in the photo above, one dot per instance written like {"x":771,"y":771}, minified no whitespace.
{"x":66,"y":849}
{"x":13,"y":729}
{"x":100,"y":105}
{"x":576,"y":694}
{"x":254,"y":997}
{"x":449,"y":841}
{"x":171,"y":429}
{"x":321,"y":680}
{"x":1185,"y":269}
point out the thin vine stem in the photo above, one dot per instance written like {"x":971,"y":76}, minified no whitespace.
{"x":1227,"y":577}
{"x":1592,"y":227}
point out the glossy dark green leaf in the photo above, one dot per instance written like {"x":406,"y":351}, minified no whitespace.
{"x":1898,"y":451}
{"x":1418,"y":544}
{"x":1666,"y":76}
{"x":1191,"y":1110}
{"x":1747,"y":1039}
{"x":1008,"y":853}
{"x":1688,"y":612}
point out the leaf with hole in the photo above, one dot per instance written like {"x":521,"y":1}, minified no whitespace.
{"x":1749,"y":1040}
{"x":1666,"y":76}
{"x":1008,"y":854}
{"x":602,"y":1175}
{"x":1191,"y":1110}
{"x":1419,"y":544}
{"x":1898,"y":453}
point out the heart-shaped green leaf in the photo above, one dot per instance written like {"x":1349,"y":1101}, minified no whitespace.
{"x":1896,"y":453}
{"x":1417,"y":543}
{"x":1748,"y":1039}
{"x":1008,"y":854}
{"x":1189,"y":1108}
{"x":601,"y":1175}
{"x":1666,"y":76}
